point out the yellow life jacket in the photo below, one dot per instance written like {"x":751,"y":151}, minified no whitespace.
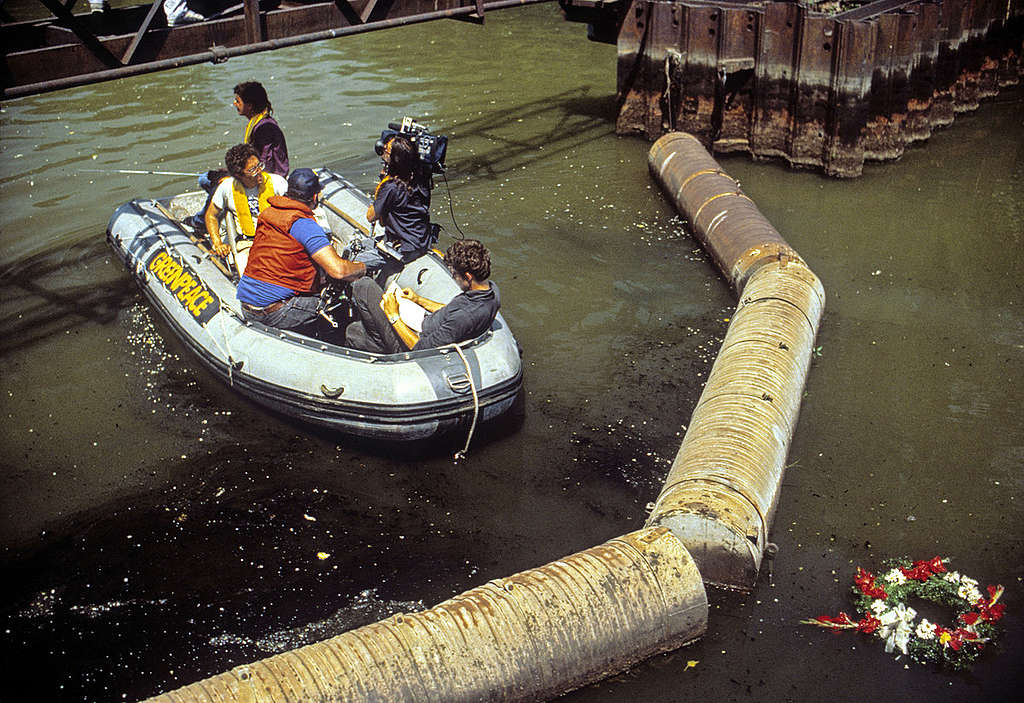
{"x":245,"y":218}
{"x":253,"y":121}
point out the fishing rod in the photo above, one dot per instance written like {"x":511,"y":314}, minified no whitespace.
{"x":144,"y":173}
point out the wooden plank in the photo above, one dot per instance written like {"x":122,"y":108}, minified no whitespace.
{"x":368,"y":10}
{"x":253,"y":26}
{"x":127,"y":58}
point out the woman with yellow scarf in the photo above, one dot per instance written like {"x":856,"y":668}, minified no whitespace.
{"x":262,"y":130}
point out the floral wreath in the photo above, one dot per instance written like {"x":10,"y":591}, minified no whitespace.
{"x":883,"y":603}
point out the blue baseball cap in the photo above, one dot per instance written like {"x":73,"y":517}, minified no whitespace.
{"x":304,"y":183}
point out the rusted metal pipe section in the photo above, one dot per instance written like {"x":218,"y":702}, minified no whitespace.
{"x":722,"y":217}
{"x":721,"y":492}
{"x":528,"y":637}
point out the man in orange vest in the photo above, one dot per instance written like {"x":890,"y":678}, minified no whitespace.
{"x":279,"y":287}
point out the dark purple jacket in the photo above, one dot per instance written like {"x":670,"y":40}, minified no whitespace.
{"x":268,"y":139}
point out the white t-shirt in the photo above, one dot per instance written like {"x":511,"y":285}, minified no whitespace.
{"x":224,"y":197}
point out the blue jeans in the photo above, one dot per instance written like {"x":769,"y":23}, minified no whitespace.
{"x":297,"y":312}
{"x":198,"y":220}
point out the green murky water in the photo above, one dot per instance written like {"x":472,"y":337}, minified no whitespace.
{"x":154,"y":526}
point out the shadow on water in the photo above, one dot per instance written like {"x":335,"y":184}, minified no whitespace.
{"x":511,"y":150}
{"x":580,"y":118}
{"x":55,"y":291}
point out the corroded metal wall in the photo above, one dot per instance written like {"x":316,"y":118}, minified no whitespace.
{"x":528,"y":637}
{"x":777,"y":79}
{"x":721,"y":492}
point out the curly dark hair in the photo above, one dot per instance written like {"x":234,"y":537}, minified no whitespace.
{"x":469,"y":256}
{"x":254,"y":94}
{"x":236,"y":157}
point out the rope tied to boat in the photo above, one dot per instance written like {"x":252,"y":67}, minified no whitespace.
{"x":226,"y":352}
{"x":461,"y":454}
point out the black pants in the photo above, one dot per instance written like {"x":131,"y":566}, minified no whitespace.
{"x":371,"y":332}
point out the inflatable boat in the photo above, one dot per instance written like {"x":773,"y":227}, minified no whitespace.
{"x":406,"y":396}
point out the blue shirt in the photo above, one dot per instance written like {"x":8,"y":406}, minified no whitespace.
{"x":259,"y":293}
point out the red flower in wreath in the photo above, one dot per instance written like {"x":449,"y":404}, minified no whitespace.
{"x":990,"y":610}
{"x":868,"y":624}
{"x":994,"y":613}
{"x":865,"y":581}
{"x":839,"y":621}
{"x":970,"y":618}
{"x":923,"y":570}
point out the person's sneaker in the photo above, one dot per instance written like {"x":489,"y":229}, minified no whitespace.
{"x":186,"y":17}
{"x":98,"y":5}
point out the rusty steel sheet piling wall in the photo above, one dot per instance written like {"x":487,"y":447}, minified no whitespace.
{"x":721,"y":492}
{"x":528,"y":637}
{"x":779,"y":79}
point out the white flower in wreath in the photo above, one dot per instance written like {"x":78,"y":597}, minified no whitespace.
{"x":925,"y":630}
{"x":968,"y":593}
{"x":970,"y":588}
{"x":951,"y":576}
{"x":895,"y":576}
{"x":878,"y":606}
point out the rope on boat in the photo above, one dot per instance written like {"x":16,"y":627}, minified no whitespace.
{"x":225,"y":352}
{"x":476,"y":403}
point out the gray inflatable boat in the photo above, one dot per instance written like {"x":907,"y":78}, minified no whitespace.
{"x":407,"y":396}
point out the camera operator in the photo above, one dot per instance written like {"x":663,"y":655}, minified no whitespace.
{"x":401,"y":204}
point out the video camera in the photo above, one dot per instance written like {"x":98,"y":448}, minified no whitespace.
{"x":431,"y":148}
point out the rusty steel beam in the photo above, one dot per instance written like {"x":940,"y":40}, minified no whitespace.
{"x":130,"y":52}
{"x":253,"y":25}
{"x":88,"y":38}
{"x":368,"y":10}
{"x":42,"y":55}
{"x":779,"y":79}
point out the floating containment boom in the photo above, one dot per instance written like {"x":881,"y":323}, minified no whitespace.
{"x":722,"y":489}
{"x":528,"y":637}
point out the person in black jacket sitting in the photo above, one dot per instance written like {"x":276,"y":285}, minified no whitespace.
{"x":401,"y":204}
